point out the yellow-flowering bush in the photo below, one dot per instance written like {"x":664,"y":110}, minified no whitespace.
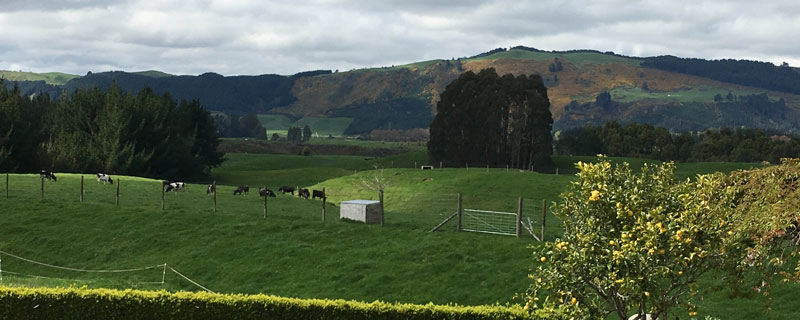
{"x":633,"y":242}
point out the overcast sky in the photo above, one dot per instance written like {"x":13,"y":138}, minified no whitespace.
{"x":234,"y":37}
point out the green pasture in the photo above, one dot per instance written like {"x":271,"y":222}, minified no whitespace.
{"x":274,"y":171}
{"x":293,"y":252}
{"x":321,"y":127}
{"x":56,"y":78}
{"x":579,"y":59}
{"x":693,"y":94}
{"x":373,"y":144}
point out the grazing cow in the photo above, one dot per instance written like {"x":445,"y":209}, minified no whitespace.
{"x":241,"y":190}
{"x":211,"y":189}
{"x":286,"y":189}
{"x":317,"y":194}
{"x":47,"y":175}
{"x":263,"y":192}
{"x":303,"y":193}
{"x":175,"y":186}
{"x":105,"y":178}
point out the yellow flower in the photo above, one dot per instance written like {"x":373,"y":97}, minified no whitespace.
{"x":539,"y":280}
{"x":574,"y":301}
{"x":619,"y":205}
{"x":543,"y":259}
{"x":730,"y":233}
{"x":619,"y":281}
{"x":647,"y":294}
{"x":612,"y":242}
{"x":595,"y":195}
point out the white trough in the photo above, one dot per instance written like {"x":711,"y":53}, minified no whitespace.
{"x":367,"y":211}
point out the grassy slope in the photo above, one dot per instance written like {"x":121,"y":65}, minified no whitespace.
{"x":292,"y":252}
{"x":154,"y":74}
{"x":49,"y":77}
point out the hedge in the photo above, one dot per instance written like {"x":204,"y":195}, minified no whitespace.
{"x":81,"y":303}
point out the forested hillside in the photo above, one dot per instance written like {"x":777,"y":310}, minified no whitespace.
{"x":584,"y":86}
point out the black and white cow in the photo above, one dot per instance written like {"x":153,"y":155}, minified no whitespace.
{"x":175,"y":186}
{"x":44,"y":174}
{"x":286,"y":189}
{"x":104,"y":178}
{"x":211,"y":189}
{"x":241,"y":190}
{"x":263,"y":192}
{"x":303,"y":193}
{"x":317,"y":194}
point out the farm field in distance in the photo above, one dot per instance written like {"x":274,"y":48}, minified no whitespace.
{"x":322,"y":127}
{"x":292,"y":252}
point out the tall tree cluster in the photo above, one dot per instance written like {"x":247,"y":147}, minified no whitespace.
{"x":486,"y":119}
{"x":112,"y":131}
{"x":646,"y":141}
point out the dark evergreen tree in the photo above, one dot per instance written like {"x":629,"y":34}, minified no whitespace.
{"x":306,"y":133}
{"x":486,"y":119}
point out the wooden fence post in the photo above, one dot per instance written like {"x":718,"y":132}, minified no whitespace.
{"x":324,"y":199}
{"x":415,"y":164}
{"x":460,"y":213}
{"x":440,"y":164}
{"x":42,"y":178}
{"x":265,"y":204}
{"x":467,"y":165}
{"x":380,"y":197}
{"x":544,"y":216}
{"x":556,"y":171}
{"x":214,"y":189}
{"x":117,"y":201}
{"x":519,"y":218}
{"x":162,"y":197}
{"x":6,"y":185}
{"x":81,"y":188}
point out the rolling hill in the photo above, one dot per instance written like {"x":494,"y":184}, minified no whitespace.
{"x":680,"y":94}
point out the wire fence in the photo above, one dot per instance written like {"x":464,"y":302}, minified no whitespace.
{"x":161,"y":267}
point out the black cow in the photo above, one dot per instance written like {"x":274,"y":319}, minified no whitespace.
{"x":303,"y":193}
{"x":241,"y":190}
{"x":47,"y":175}
{"x":211,"y":189}
{"x":174,"y":186}
{"x":262,"y":192}
{"x":317,"y":194}
{"x":286,"y":189}
{"x":105,"y":178}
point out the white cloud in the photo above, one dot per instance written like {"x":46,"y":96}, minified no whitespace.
{"x":255,"y":37}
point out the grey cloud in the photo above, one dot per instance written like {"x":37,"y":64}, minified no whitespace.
{"x":253,"y":37}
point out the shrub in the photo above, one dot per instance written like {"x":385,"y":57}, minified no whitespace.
{"x":81,"y":303}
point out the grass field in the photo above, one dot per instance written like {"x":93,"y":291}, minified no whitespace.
{"x":292,"y":252}
{"x":49,"y":77}
{"x":694,"y":94}
{"x":322,"y":127}
{"x":579,"y":59}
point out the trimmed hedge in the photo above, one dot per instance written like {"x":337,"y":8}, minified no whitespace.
{"x":80,"y":303}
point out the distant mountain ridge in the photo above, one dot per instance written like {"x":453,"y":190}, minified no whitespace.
{"x":584,"y":86}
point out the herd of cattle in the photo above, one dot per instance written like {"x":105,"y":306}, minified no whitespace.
{"x":264,"y":192}
{"x":168,"y":186}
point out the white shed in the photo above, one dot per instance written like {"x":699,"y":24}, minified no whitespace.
{"x":367,"y":211}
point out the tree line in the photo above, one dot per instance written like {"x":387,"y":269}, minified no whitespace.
{"x":646,"y":141}
{"x":233,"y":126}
{"x":744,"y":72}
{"x":94,"y":130}
{"x":487,"y":119}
